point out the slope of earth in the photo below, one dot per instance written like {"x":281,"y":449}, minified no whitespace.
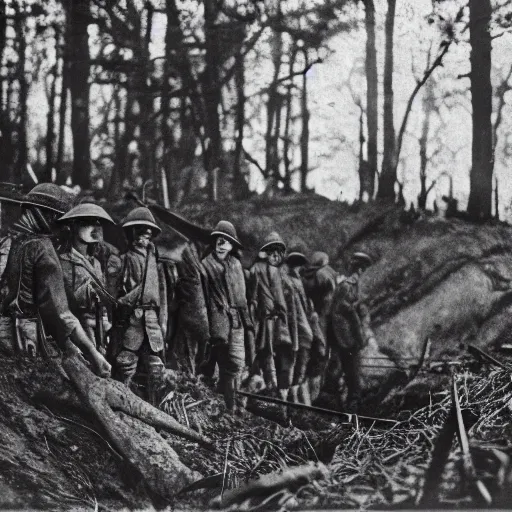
{"x":442,"y":280}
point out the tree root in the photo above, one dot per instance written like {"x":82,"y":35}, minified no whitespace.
{"x":267,"y":485}
{"x":128,"y":421}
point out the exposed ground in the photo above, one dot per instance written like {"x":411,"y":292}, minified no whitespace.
{"x":444,"y":280}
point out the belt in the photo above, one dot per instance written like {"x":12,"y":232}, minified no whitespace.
{"x":147,"y":307}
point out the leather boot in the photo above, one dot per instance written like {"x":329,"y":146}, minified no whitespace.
{"x":229,"y":394}
{"x":304,"y":395}
{"x":126,"y":367}
{"x":155,"y":379}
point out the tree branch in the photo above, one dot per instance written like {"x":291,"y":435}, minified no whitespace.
{"x":252,"y":160}
{"x":501,"y":90}
{"x":285,"y":78}
{"x":437,"y":62}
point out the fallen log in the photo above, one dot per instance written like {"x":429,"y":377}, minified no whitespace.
{"x":128,"y":421}
{"x":291,"y":479}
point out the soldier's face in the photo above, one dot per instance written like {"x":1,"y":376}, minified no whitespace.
{"x":222,"y":247}
{"x":275,"y":257}
{"x":142,"y":236}
{"x":89,"y":231}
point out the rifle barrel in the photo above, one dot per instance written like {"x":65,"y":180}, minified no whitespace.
{"x":313,"y":408}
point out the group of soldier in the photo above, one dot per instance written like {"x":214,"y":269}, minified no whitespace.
{"x":288,"y":321}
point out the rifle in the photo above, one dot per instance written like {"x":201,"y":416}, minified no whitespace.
{"x":182,"y":226}
{"x":99,"y":331}
{"x":313,"y":408}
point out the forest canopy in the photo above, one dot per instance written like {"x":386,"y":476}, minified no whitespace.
{"x":398,"y":100}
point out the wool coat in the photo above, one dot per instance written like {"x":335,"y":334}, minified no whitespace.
{"x":147,"y":309}
{"x":35,"y":285}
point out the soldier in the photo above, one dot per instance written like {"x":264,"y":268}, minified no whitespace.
{"x":142,"y":315}
{"x":304,"y":325}
{"x":228,"y":313}
{"x":346,"y":327}
{"x":298,"y":324}
{"x":83,"y":275}
{"x":268,"y":307}
{"x":319,"y":280}
{"x":36,"y":297}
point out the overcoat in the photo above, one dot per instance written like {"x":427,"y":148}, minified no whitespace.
{"x":147,"y":315}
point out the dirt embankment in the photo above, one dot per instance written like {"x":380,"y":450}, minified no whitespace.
{"x":443,"y":280}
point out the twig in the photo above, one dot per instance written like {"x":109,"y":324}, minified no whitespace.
{"x":224,"y":476}
{"x":68,"y":420}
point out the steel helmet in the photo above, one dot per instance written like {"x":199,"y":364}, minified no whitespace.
{"x":49,"y":196}
{"x":227,"y":230}
{"x":273,"y":239}
{"x":319,"y":259}
{"x":362,"y":257}
{"x":85,"y":210}
{"x":296,"y":258}
{"x":141,"y":216}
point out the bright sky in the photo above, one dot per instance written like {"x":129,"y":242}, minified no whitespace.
{"x":334,"y":121}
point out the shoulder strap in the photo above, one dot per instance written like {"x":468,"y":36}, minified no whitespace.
{"x":97,"y":282}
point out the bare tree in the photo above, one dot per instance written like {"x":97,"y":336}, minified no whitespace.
{"x":79,"y":67}
{"x":388,"y":174}
{"x":372,"y":95}
{"x":480,"y":196}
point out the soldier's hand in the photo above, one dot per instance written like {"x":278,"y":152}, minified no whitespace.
{"x":102,"y":367}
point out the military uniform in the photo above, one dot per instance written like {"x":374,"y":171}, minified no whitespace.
{"x":319,"y":280}
{"x":347,"y":333}
{"x":36,"y":296}
{"x":84,"y":292}
{"x":84,"y":278}
{"x":141,"y":329}
{"x":228,"y":313}
{"x":319,"y":283}
{"x":274,"y":346}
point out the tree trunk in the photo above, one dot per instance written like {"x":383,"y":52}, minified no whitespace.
{"x":240,"y":185}
{"x":62,"y":110}
{"x":480,"y":196}
{"x":287,"y":180}
{"x":50,"y":119}
{"x":79,"y":88}
{"x":196,"y":107}
{"x":212,"y":94}
{"x":304,"y":137}
{"x":23,"y":95}
{"x":116,"y":178}
{"x":146,"y":125}
{"x":428,"y":107}
{"x":6,"y":152}
{"x":363,"y":164}
{"x":388,"y":174}
{"x":168,"y":146}
{"x":271,"y":150}
{"x":372,"y":94}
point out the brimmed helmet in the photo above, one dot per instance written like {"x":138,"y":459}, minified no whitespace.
{"x":362,"y":257}
{"x":227,"y":230}
{"x":273,"y":239}
{"x":50,"y":197}
{"x":141,"y":216}
{"x":319,"y":259}
{"x":296,"y":258}
{"x":85,"y":210}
